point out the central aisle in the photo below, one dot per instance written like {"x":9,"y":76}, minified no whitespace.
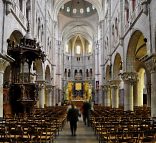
{"x":84,"y":135}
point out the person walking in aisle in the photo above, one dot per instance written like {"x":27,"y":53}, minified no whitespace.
{"x":72,"y":117}
{"x":86,"y":112}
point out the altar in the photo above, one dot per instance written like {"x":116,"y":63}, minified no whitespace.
{"x":78,"y":91}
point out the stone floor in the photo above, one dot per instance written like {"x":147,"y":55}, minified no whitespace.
{"x":84,"y":134}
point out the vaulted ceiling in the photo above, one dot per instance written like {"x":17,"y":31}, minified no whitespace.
{"x":78,"y":17}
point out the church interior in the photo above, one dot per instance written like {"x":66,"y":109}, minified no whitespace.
{"x":57,"y":52}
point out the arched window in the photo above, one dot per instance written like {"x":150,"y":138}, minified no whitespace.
{"x":27,"y":9}
{"x":68,"y":9}
{"x":75,"y":73}
{"x":91,"y":73}
{"x":74,"y":10}
{"x":113,"y":30}
{"x":113,"y":33}
{"x":88,"y":9}
{"x":50,"y":44}
{"x":80,"y":72}
{"x":69,"y":73}
{"x":65,"y":72}
{"x":116,"y":27}
{"x":107,"y":41}
{"x":87,"y":73}
{"x":78,"y":49}
{"x":81,"y":10}
{"x":127,"y":10}
{"x":42,"y":34}
{"x":21,"y":5}
{"x":133,"y":4}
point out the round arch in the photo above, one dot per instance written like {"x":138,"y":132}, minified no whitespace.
{"x":16,"y":36}
{"x":137,"y":50}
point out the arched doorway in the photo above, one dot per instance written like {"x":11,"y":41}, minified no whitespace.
{"x":137,"y":51}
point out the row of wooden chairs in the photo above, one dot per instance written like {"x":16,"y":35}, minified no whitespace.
{"x":115,"y":125}
{"x":40,"y":127}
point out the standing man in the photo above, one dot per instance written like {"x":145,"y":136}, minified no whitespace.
{"x":72,"y":117}
{"x":86,"y":112}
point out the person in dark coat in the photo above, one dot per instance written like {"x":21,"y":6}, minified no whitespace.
{"x":86,"y":112}
{"x":72,"y":117}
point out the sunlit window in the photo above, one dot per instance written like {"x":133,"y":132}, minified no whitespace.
{"x":93,"y":7}
{"x":62,"y":7}
{"x":74,"y":10}
{"x":78,"y":49}
{"x":88,"y":9}
{"x":68,"y":9}
{"x":81,"y":10}
{"x":89,"y":49}
{"x":67,"y":49}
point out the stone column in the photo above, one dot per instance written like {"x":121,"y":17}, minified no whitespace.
{"x":151,"y":66}
{"x":49,"y":95}
{"x":41,"y":93}
{"x":115,"y":93}
{"x":1,"y":93}
{"x":107,"y":95}
{"x":54,"y":97}
{"x":3,"y":65}
{"x":129,"y":78}
{"x":103,"y":95}
{"x":135,"y":93}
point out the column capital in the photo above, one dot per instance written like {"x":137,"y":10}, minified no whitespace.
{"x":106,"y":87}
{"x":41,"y":83}
{"x":48,"y":87}
{"x":129,"y":77}
{"x":151,"y":63}
{"x":114,"y":83}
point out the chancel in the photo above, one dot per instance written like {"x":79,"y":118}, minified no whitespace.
{"x":57,"y":53}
